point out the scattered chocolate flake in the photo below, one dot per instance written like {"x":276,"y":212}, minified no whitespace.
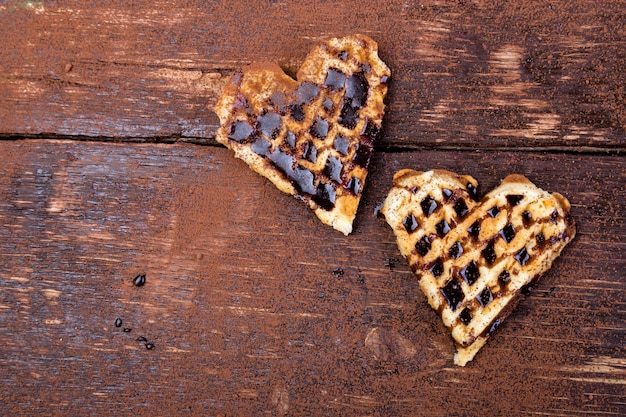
{"x":362,"y":155}
{"x":284,"y":162}
{"x":328,"y":104}
{"x":142,"y":339}
{"x":118,"y":322}
{"x":390,"y":263}
{"x":140,"y":280}
{"x":240,"y":131}
{"x":127,"y":330}
{"x":370,"y":131}
{"x":279,"y":101}
{"x":149,"y":345}
{"x":337,"y":272}
{"x":554,"y":217}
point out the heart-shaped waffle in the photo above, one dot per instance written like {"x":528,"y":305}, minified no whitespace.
{"x":314,"y":137}
{"x":474,"y":259}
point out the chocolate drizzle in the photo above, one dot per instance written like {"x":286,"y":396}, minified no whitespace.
{"x":455,"y":250}
{"x":325,"y":196}
{"x":429,"y":205}
{"x":269,"y":124}
{"x":410,"y":223}
{"x":333,"y":169}
{"x":489,"y":253}
{"x":319,"y":129}
{"x":335,"y":79}
{"x":261,"y":146}
{"x":437,"y":268}
{"x":470,"y":273}
{"x":241,"y":131}
{"x":453,"y":294}
{"x":486,"y":282}
{"x":423,"y":246}
{"x":296,"y":128}
{"x":465,"y":316}
{"x":442,"y":228}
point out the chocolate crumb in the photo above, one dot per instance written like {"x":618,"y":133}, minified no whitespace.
{"x":337,"y":272}
{"x":140,"y":280}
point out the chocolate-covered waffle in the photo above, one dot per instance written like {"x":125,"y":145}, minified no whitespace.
{"x":312,"y":137}
{"x":474,"y":259}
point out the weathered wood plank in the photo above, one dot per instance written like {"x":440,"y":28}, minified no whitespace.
{"x":473,"y":74}
{"x":254,"y":307}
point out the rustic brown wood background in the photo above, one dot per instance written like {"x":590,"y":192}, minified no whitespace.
{"x":110,"y":169}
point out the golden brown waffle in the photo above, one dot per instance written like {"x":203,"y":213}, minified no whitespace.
{"x":474,"y":259}
{"x":314,"y":137}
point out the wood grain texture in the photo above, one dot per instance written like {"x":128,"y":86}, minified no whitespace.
{"x":470,"y":73}
{"x":252,"y":306}
{"x":241,"y":326}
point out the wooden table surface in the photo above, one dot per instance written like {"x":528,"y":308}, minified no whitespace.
{"x":251,"y":306}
